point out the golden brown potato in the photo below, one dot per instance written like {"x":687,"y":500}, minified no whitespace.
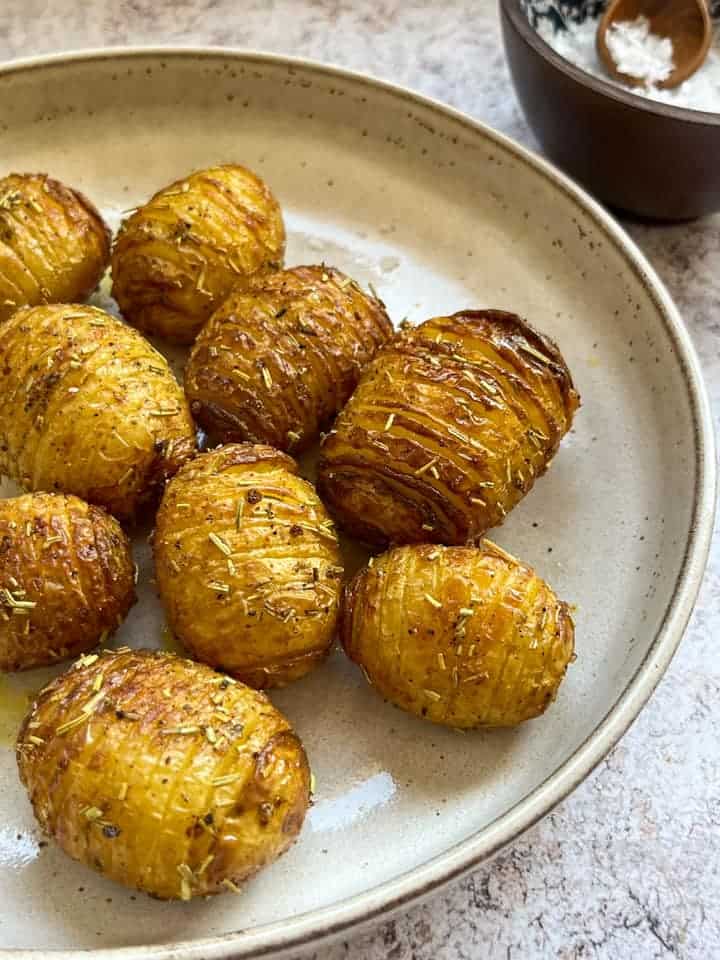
{"x":178,"y":257}
{"x":464,"y":636}
{"x":447,"y":430}
{"x":66,"y":578}
{"x":88,"y":407}
{"x":248,"y":565}
{"x":54,"y":245}
{"x":277,"y":361}
{"x":162,"y":774}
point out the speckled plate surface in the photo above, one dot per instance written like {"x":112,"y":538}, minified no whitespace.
{"x":439,"y":213}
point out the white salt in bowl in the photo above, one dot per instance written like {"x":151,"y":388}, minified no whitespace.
{"x":655,"y":159}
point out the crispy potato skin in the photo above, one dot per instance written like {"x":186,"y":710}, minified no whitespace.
{"x":447,"y":430}
{"x":88,"y":407}
{"x":463,"y":636}
{"x":54,"y":245}
{"x":174,"y":780}
{"x":66,"y":578}
{"x":277,"y":361}
{"x":247,"y":565}
{"x":178,"y":257}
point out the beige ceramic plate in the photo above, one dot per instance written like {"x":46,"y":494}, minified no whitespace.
{"x":438,"y":213}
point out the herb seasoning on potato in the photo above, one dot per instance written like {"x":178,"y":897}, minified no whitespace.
{"x":162,"y":774}
{"x":447,"y":430}
{"x":278,"y":360}
{"x":463,"y":636}
{"x":178,"y":257}
{"x":66,"y":578}
{"x":248,"y":565}
{"x":54,"y":245}
{"x":88,"y":407}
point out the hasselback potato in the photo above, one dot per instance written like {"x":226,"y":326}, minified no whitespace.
{"x":162,"y":774}
{"x":66,"y":578}
{"x":464,"y":636}
{"x":248,"y":565}
{"x":278,"y":360}
{"x":54,"y":245}
{"x":177,"y":257}
{"x":88,"y":407}
{"x":447,"y":430}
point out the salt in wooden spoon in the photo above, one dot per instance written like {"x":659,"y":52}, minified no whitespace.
{"x":686,"y":22}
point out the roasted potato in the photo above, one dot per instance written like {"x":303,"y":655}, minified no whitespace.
{"x":54,"y":245}
{"x":162,"y":774}
{"x":88,"y":407}
{"x":178,"y":257}
{"x":279,"y":359}
{"x":248,"y":565}
{"x":447,"y":430}
{"x":66,"y":578}
{"x":463,"y":636}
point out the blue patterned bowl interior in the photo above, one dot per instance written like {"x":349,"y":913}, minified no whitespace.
{"x":562,"y":12}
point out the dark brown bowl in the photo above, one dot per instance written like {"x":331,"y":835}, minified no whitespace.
{"x":649,"y":158}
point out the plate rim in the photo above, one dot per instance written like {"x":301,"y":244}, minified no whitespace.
{"x":362,"y":909}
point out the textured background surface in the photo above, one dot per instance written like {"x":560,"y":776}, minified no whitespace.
{"x":628,"y":865}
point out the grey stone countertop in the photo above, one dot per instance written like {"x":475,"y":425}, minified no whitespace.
{"x":628,"y":865}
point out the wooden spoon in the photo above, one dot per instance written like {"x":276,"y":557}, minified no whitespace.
{"x":686,"y":22}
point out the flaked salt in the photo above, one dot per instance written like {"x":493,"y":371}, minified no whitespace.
{"x":701,"y":91}
{"x":639,"y":53}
